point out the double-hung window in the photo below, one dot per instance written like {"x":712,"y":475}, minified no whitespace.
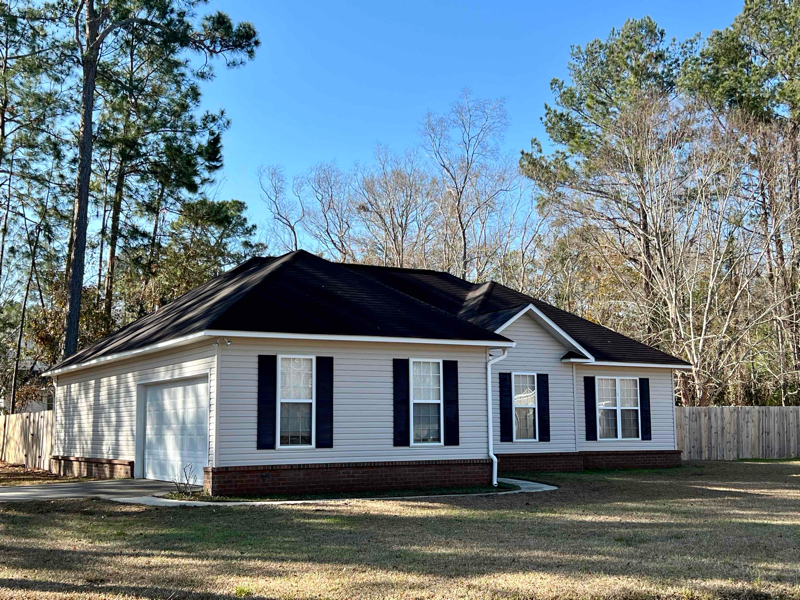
{"x":426,"y":402}
{"x":618,"y":408}
{"x":296,"y":400}
{"x":524,"y":407}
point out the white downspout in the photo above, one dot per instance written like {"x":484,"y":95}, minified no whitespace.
{"x":489,"y":408}
{"x":48,"y":459}
{"x":575,"y":405}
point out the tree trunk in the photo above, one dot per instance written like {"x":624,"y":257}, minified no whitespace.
{"x":80,"y":215}
{"x":113,"y":237}
{"x":4,"y":231}
{"x":103,"y":223}
{"x":152,"y":259}
{"x":18,"y":350}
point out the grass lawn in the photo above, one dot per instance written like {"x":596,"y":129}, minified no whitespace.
{"x":19,"y":475}
{"x":714,"y":530}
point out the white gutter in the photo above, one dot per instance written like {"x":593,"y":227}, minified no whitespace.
{"x":355,"y":338}
{"x":603,"y":363}
{"x":269,"y":335}
{"x":489,"y":409}
{"x":187,"y":339}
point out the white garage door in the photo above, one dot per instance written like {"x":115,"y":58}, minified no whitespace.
{"x":176,"y":429}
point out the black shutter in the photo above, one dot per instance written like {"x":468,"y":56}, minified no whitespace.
{"x":324,"y":401}
{"x":450,"y":397}
{"x":644,"y":407}
{"x":402,"y":431}
{"x":590,"y":404}
{"x":267,"y":396}
{"x":543,"y":406}
{"x":506,"y":409}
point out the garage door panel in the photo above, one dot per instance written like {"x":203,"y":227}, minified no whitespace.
{"x":176,"y":429}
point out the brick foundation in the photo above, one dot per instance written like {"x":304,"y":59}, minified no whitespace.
{"x":551,"y":461}
{"x":579,"y":461}
{"x":102,"y":468}
{"x":346,"y":477}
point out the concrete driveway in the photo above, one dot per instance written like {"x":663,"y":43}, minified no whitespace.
{"x":112,"y":489}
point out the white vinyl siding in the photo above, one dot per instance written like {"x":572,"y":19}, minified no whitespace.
{"x":363,"y":402}
{"x":662,"y":409}
{"x":95,"y":409}
{"x":537,"y":352}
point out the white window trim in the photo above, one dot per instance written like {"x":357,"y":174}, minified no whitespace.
{"x":289,"y":401}
{"x":535,"y":407}
{"x":411,"y":362}
{"x":619,"y":408}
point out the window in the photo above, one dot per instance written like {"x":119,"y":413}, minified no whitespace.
{"x":296,"y":400}
{"x":426,"y":401}
{"x":524,"y":406}
{"x":618,"y":408}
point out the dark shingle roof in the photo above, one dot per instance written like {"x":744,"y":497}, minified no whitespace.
{"x":303,"y":294}
{"x":295,"y":293}
{"x":491,"y":304}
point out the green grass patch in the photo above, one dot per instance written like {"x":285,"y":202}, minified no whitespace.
{"x":560,"y":477}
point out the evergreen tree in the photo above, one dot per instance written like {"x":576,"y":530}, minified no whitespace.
{"x":165,"y":23}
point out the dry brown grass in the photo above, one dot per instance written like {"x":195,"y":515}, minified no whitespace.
{"x":711,"y":530}
{"x":20,"y":475}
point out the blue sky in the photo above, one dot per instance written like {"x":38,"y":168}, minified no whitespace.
{"x":332,"y":79}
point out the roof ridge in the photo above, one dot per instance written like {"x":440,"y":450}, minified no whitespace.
{"x":394,"y":289}
{"x":405,"y":269}
{"x":277,"y":263}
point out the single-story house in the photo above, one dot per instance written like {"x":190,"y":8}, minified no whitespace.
{"x":296,"y":374}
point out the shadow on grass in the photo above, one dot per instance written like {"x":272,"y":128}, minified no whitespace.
{"x":136,"y":591}
{"x":674,"y":529}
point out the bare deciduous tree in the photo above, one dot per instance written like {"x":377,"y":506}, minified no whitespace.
{"x":287,"y":215}
{"x":464,"y":144}
{"x":393,"y":204}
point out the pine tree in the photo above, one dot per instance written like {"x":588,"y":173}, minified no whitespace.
{"x":167,"y":23}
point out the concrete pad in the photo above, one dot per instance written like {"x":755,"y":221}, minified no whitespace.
{"x":109,"y":489}
{"x":528,"y":486}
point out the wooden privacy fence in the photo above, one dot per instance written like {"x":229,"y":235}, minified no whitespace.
{"x":733,"y":432}
{"x":27,"y":438}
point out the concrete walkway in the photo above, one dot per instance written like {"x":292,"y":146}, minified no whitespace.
{"x":111,"y":489}
{"x":146,"y":492}
{"x":525,"y":487}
